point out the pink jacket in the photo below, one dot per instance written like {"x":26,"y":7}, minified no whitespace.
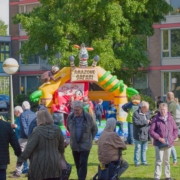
{"x":159,"y":129}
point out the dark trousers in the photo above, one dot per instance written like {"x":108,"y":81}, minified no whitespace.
{"x":81,"y":159}
{"x":99,"y":117}
{"x":123,"y":167}
{"x":52,"y":179}
{"x":2,"y":174}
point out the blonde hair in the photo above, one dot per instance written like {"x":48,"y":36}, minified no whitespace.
{"x":100,"y":101}
{"x":136,"y":97}
{"x":176,"y":100}
{"x":43,"y":117}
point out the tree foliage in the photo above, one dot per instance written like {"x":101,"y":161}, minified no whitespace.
{"x":3,"y":28}
{"x":109,"y":26}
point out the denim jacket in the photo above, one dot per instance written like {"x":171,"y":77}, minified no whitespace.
{"x":25,"y":120}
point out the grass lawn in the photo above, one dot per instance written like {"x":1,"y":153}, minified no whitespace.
{"x":133,"y":173}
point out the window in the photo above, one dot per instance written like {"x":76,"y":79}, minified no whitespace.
{"x":140,"y":81}
{"x":171,"y":43}
{"x":176,"y":7}
{"x":33,"y":59}
{"x":4,"y":51}
{"x":166,"y":82}
{"x":4,"y":85}
{"x":27,"y":8}
{"x":28,"y":84}
{"x":172,"y":83}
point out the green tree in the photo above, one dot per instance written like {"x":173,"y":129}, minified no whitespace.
{"x":3,"y":28}
{"x":113,"y":27}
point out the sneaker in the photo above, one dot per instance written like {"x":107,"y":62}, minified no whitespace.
{"x":145,"y":164}
{"x":175,"y":164}
{"x":15,"y":175}
{"x":169,"y":178}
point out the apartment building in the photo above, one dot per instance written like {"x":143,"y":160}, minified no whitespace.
{"x":5,"y":52}
{"x":25,"y":80}
{"x":163,"y":49}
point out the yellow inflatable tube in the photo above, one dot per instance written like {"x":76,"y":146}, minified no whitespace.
{"x":49,"y":89}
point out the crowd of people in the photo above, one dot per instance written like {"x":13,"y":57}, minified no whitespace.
{"x":39,"y":143}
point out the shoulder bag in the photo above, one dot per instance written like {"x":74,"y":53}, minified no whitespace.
{"x":166,"y":144}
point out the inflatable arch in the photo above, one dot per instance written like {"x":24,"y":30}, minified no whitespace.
{"x":114,"y":89}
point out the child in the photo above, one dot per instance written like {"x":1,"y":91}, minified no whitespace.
{"x":42,"y":104}
{"x":130,"y":108}
{"x":99,"y":111}
{"x":111,"y":113}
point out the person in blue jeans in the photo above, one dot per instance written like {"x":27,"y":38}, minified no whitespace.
{"x":130,"y":108}
{"x":16,"y":126}
{"x":99,"y":111}
{"x":141,"y":124}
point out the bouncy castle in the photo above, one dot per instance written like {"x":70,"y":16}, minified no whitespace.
{"x":74,"y":82}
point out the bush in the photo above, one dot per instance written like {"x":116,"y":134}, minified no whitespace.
{"x":151,"y":102}
{"x":18,"y":100}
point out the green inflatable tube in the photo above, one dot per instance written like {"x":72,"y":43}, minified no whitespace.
{"x":121,"y":87}
{"x":35,"y":96}
{"x":116,"y":86}
{"x":109,"y":82}
{"x":104,"y":76}
{"x":131,"y":92}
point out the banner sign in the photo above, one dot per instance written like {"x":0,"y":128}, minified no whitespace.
{"x":84,"y":74}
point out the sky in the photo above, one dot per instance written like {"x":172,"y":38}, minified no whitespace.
{"x":4,"y":11}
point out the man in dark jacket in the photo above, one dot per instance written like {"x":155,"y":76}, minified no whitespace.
{"x":141,"y":121}
{"x":82,"y":130}
{"x":7,"y":135}
{"x":26,"y":119}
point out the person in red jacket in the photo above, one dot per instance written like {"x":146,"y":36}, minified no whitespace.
{"x":163,"y":129}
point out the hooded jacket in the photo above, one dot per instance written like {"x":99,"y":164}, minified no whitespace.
{"x":109,"y":144}
{"x":159,"y":129}
{"x":44,"y":148}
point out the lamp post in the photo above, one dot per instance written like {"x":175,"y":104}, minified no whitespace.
{"x":11,"y":66}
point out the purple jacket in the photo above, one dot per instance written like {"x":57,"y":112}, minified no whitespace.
{"x":159,"y":129}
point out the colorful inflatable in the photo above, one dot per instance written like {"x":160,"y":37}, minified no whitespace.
{"x":74,"y":83}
